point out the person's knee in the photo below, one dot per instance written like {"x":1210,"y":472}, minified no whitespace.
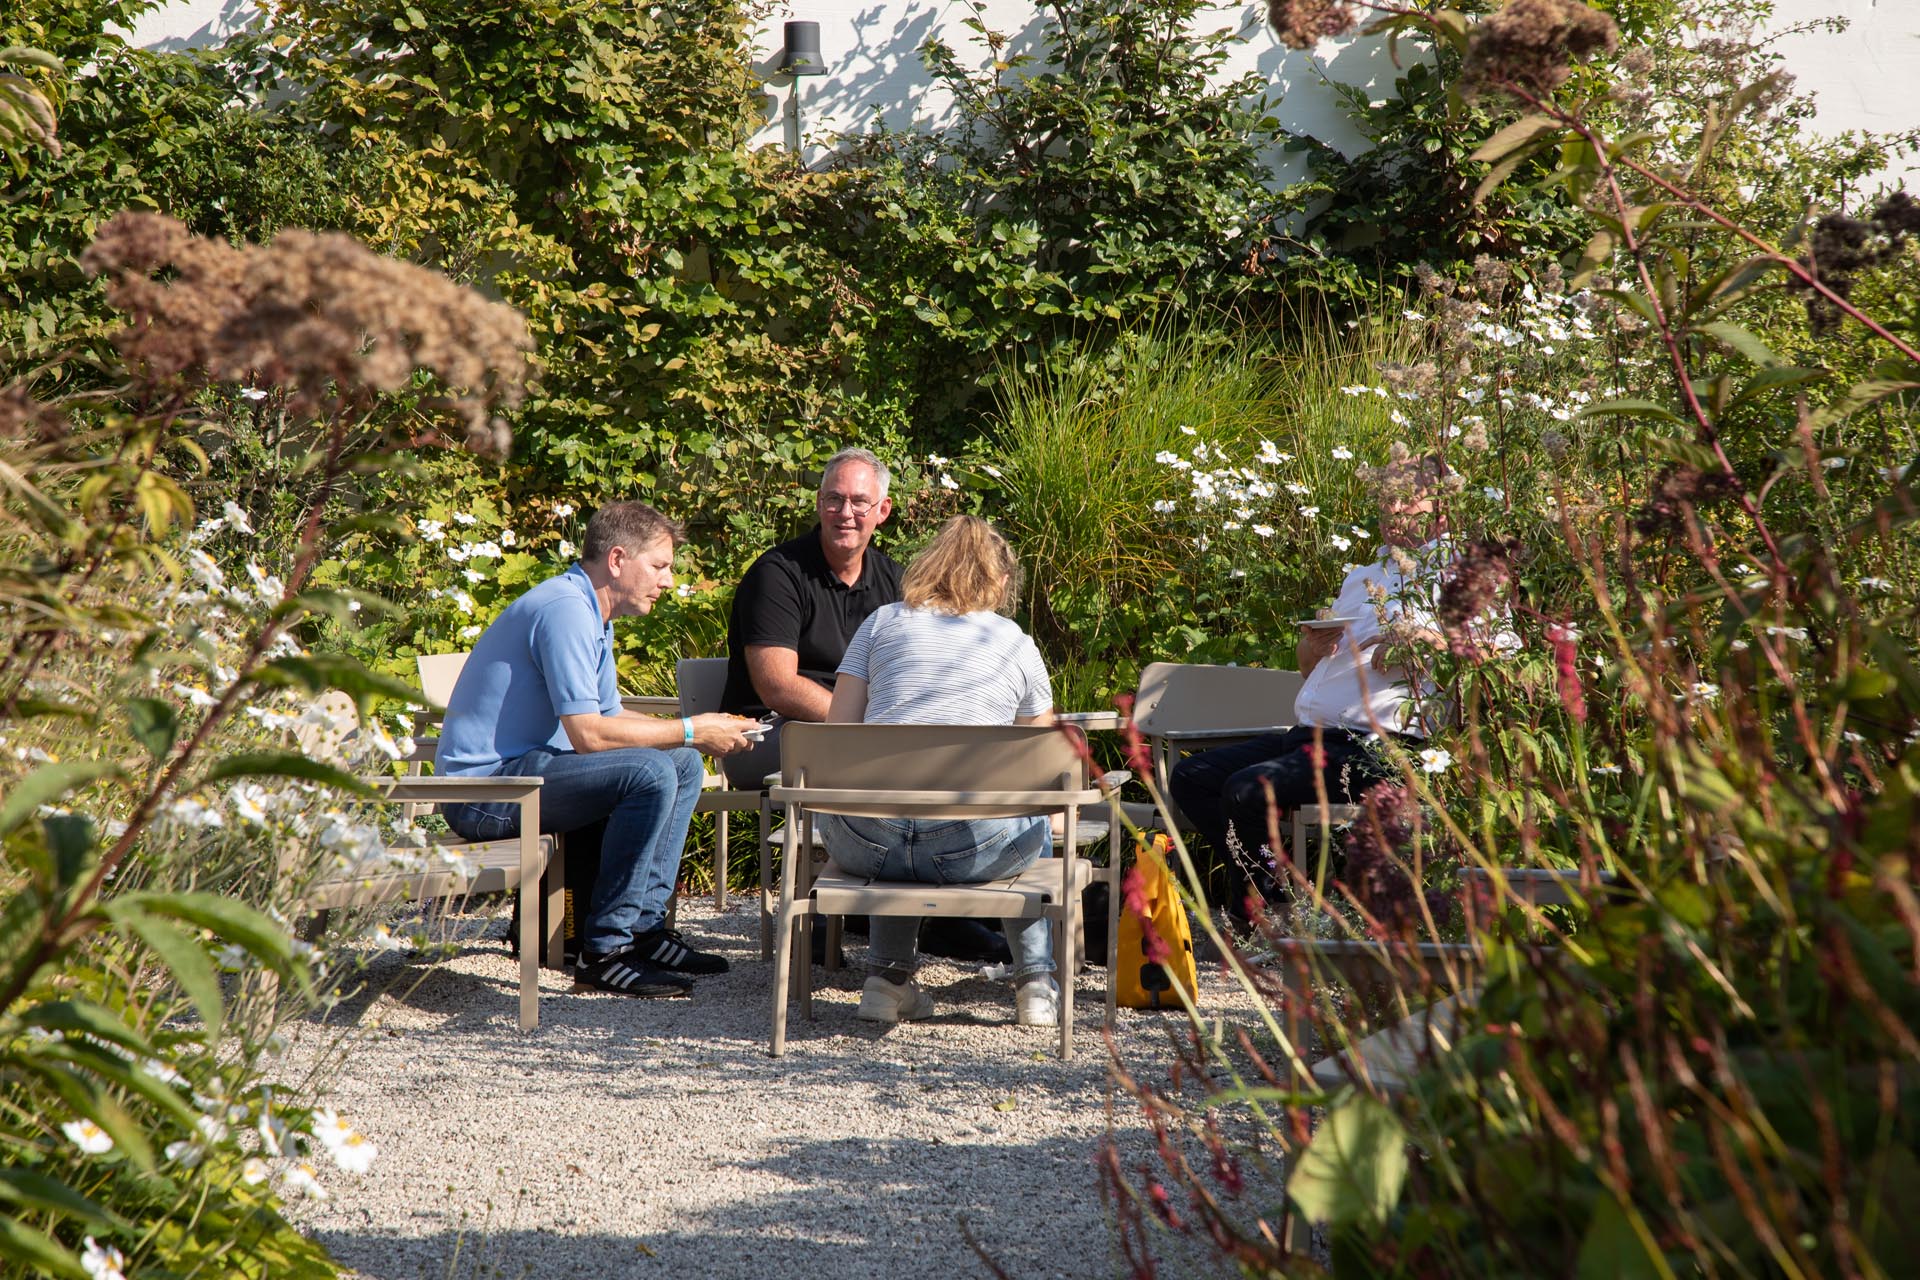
{"x":690,"y":770}
{"x":1189,"y":782}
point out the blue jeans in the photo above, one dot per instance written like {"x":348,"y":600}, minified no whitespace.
{"x":645,"y":797}
{"x":941,"y":851}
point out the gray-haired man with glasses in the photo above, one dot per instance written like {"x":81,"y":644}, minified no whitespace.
{"x":801,"y":602}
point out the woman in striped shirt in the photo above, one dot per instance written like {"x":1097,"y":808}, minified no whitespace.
{"x":946,"y":654}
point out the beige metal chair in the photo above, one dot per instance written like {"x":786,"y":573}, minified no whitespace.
{"x":702,"y":683}
{"x":516,"y":865}
{"x":933,"y":771}
{"x":1183,"y":708}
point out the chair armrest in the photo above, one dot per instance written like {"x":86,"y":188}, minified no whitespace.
{"x":956,"y":801}
{"x":421,"y":790}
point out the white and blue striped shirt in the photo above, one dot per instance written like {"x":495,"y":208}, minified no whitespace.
{"x":923,"y":667}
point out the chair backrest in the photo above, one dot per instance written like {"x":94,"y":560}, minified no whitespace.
{"x":961,"y":760}
{"x":1177,"y":696}
{"x":439,"y":672}
{"x":700,"y":683}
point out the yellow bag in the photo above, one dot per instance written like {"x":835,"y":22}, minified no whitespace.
{"x":1140,"y":982}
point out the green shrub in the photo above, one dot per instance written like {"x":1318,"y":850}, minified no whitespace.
{"x":1707,"y":1068}
{"x":143,"y":935}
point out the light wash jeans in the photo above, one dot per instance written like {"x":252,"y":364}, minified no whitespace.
{"x":941,"y":851}
{"x":646,"y":798}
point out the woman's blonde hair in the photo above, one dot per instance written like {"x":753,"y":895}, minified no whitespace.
{"x":967,"y":567}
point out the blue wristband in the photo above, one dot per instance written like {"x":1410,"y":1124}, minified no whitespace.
{"x":686,"y":728}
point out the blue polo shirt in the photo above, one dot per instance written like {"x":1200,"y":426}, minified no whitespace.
{"x":547,"y":655}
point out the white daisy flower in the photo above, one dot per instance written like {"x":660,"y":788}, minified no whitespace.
{"x":103,"y":1261}
{"x":301,"y":1176}
{"x":87,"y":1136}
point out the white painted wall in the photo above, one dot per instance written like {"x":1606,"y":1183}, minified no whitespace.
{"x":1867,"y":77}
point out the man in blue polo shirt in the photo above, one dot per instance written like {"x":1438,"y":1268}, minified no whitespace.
{"x":538,"y":698}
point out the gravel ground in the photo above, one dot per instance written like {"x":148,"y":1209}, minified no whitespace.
{"x":656,"y":1137}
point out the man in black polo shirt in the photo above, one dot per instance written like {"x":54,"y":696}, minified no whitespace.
{"x":799,"y":605}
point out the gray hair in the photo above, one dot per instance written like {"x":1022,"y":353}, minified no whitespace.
{"x":864,"y":458}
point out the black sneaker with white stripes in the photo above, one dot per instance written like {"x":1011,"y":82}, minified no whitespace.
{"x":628,"y":973}
{"x":666,"y":948}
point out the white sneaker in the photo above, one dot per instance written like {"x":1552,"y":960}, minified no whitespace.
{"x":883,"y":1001}
{"x":1037,"y":1002}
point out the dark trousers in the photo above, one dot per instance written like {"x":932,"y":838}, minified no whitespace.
{"x":1224,"y":792}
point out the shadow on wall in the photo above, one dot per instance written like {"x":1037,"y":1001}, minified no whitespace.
{"x":193,"y":24}
{"x":877,"y":78}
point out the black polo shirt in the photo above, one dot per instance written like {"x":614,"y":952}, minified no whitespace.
{"x":792,"y":599}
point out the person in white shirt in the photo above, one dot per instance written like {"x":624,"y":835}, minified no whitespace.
{"x":1354,"y":693}
{"x":946,"y":655}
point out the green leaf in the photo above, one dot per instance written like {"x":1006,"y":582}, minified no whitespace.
{"x":1743,"y":341}
{"x":284,"y":764}
{"x":1518,"y":134}
{"x":1631,"y":409}
{"x":38,"y":1191}
{"x":234,"y":921}
{"x":48,"y":783}
{"x":91,"y":1019}
{"x":317,"y":673}
{"x":155,"y":723}
{"x":1597,"y":254}
{"x":1354,"y":1167}
{"x":37,"y":1253}
{"x":1773,"y":380}
{"x":69,"y":838}
{"x":183,"y":955}
{"x":1612,"y":1249}
{"x":18,"y":53}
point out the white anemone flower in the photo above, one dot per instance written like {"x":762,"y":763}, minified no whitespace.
{"x":88,"y":1136}
{"x":1436,"y":760}
{"x":349,"y":1147}
{"x":236,"y":518}
{"x":103,"y":1261}
{"x":301,"y":1176}
{"x":561,"y":510}
{"x":255,"y":1171}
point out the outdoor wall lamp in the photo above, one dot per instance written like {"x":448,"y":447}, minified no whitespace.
{"x":800,"y":57}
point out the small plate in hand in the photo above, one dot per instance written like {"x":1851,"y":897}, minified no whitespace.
{"x":1322,"y":624}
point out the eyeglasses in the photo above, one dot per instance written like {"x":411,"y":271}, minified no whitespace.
{"x":858,"y":506}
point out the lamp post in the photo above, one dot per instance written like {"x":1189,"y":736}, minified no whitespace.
{"x":800,"y":57}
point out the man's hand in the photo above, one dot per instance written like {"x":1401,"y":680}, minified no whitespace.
{"x":718,"y":734}
{"x":1316,"y":645}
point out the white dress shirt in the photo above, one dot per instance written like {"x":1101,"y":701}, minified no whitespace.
{"x":1344,"y":691}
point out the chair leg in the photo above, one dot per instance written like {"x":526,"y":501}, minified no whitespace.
{"x":766,"y":881}
{"x":1114,"y":881}
{"x":720,"y":860}
{"x":782,"y":974}
{"x":529,"y":950}
{"x":1069,"y":924}
{"x":673,"y":907}
{"x":836,"y":960}
{"x":803,"y":965}
{"x":554,"y":884}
